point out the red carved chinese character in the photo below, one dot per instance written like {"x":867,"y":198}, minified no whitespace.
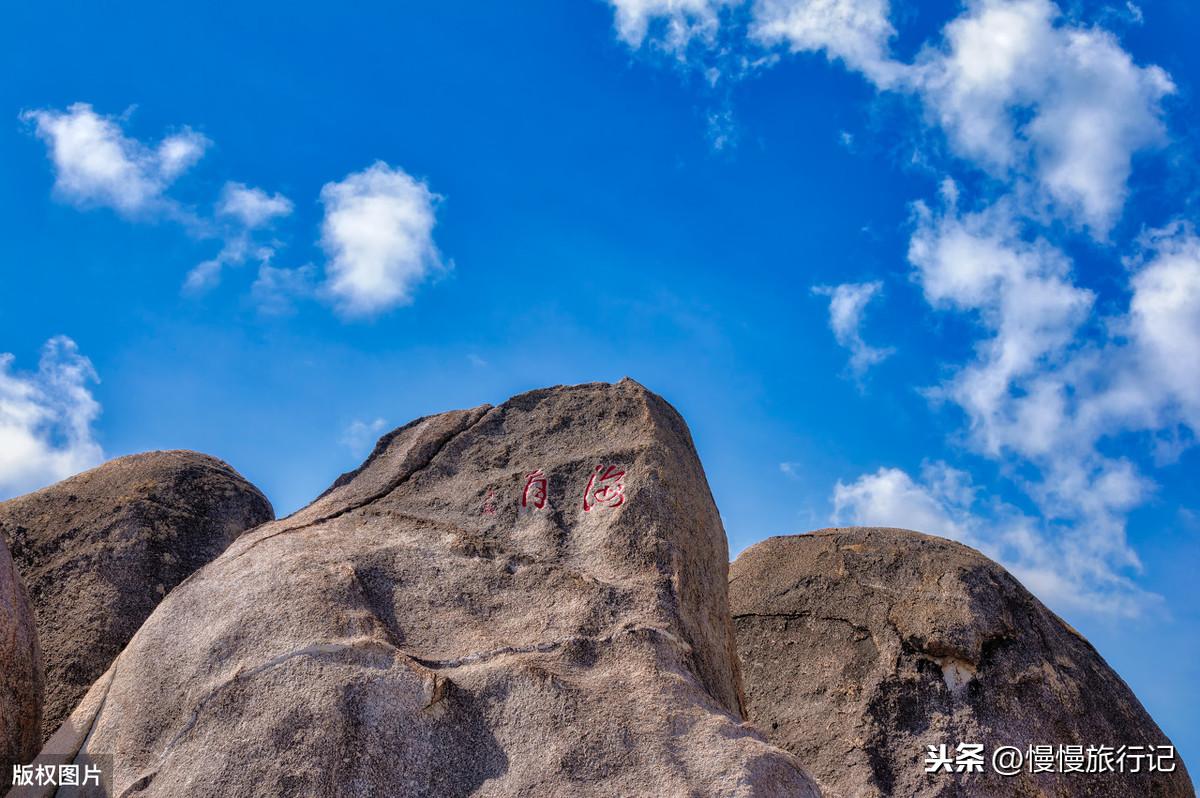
{"x":605,"y":488}
{"x":535,"y":489}
{"x":489,"y":504}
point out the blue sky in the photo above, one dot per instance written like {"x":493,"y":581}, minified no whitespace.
{"x":920,"y":265}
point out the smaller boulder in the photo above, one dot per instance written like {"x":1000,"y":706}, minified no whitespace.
{"x":20,"y":673}
{"x":861,"y":647}
{"x":100,"y":550}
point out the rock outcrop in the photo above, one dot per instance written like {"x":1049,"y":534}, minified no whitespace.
{"x":20,"y":673}
{"x":524,"y":600}
{"x":861,"y":647}
{"x":99,"y":551}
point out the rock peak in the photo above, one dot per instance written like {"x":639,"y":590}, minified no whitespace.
{"x":526,"y":599}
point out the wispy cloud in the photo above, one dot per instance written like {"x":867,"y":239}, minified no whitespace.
{"x":276,"y":290}
{"x":855,"y":32}
{"x":671,"y":25}
{"x":359,"y":436}
{"x":46,"y":419}
{"x":240,"y":213}
{"x":251,"y":206}
{"x":97,"y":164}
{"x":847,"y":305}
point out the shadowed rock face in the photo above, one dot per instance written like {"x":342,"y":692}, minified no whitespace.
{"x":20,"y":673}
{"x":99,"y":551}
{"x":525,"y":600}
{"x":862,"y":646}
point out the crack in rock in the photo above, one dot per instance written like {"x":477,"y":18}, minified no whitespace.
{"x":379,"y":494}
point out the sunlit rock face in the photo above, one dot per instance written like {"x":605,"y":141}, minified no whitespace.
{"x":523,"y":600}
{"x":862,"y":647}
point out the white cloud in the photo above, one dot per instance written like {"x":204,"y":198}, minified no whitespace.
{"x":675,"y":23}
{"x":97,"y":165}
{"x":1049,"y":385}
{"x":1032,"y":99}
{"x":46,"y":419}
{"x":1021,"y":292}
{"x":253,"y":207}
{"x":854,"y":31}
{"x":359,"y":436}
{"x":1164,"y":320}
{"x":378,"y":233}
{"x":722,"y":130}
{"x":1027,"y":96}
{"x":792,"y":470}
{"x":1049,"y":382}
{"x":1053,"y":113}
{"x":890,"y":497}
{"x":241,"y":210}
{"x":237,"y":250}
{"x":276,"y":290}
{"x":847,"y":304}
{"x":1063,"y":566}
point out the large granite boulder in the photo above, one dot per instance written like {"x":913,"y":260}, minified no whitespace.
{"x":862,"y":647}
{"x":20,"y":673}
{"x":99,"y":551}
{"x":524,"y":600}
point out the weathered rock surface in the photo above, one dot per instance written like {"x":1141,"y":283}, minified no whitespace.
{"x":862,"y":646}
{"x":442,"y":623}
{"x":99,"y":551}
{"x":20,"y":673}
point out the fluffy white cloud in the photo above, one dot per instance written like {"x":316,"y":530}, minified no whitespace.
{"x":1065,"y":567}
{"x":1049,"y":384}
{"x":97,"y":165}
{"x":1164,"y":321}
{"x":847,"y":304}
{"x":890,"y":497}
{"x":854,"y":31}
{"x":1048,"y":381}
{"x":46,"y":419}
{"x":378,"y":233}
{"x":1028,"y":96}
{"x":1021,"y":292}
{"x":253,"y":207}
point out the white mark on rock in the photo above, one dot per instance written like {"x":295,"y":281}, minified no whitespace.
{"x":957,"y":673}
